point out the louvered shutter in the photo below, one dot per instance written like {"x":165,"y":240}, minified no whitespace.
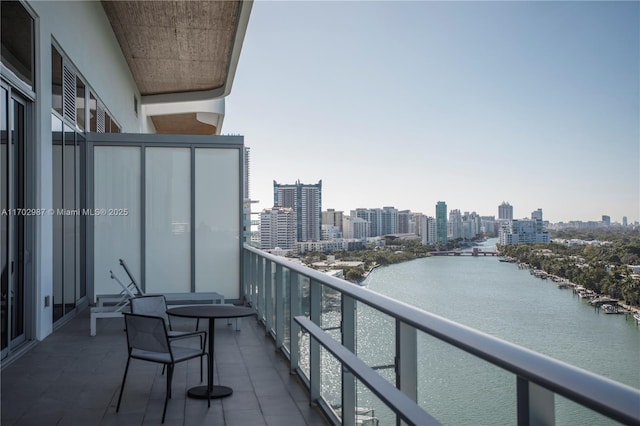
{"x":69,"y":93}
{"x":100,"y":118}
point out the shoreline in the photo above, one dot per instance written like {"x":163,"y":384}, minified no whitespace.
{"x":621,"y":307}
{"x":578,"y":289}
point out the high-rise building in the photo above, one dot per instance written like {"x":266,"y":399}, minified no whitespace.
{"x":247,"y":214}
{"x":333,"y":218}
{"x":416,"y":219}
{"x":389,"y":221}
{"x":404,"y":222}
{"x":373,"y":218}
{"x":488,"y":225}
{"x":523,"y":231}
{"x":428,"y":227}
{"x":278,"y":228}
{"x":471,"y":224}
{"x":441,"y":223}
{"x":355,"y":228}
{"x":454,"y":226}
{"x":606,"y":220}
{"x":625,"y":222}
{"x":306,"y":202}
{"x":330,"y":232}
{"x":247,"y":174}
{"x":505,"y":211}
{"x":536,"y":215}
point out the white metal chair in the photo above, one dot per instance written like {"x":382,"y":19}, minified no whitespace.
{"x":147,"y":340}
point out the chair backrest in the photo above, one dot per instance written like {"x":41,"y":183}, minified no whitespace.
{"x":155,"y":305}
{"x":133,"y":281}
{"x":147,"y":333}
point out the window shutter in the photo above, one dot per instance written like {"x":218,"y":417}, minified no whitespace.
{"x":69,"y":93}
{"x":100,"y":119}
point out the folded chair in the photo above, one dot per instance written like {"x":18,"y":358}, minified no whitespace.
{"x":147,"y":340}
{"x":156,"y":305}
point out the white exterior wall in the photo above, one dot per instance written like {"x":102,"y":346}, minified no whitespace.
{"x":355,"y":227}
{"x":277,"y":228}
{"x":455,"y":225}
{"x":330,"y":232}
{"x":523,"y":231}
{"x":80,"y":30}
{"x":428,"y":230}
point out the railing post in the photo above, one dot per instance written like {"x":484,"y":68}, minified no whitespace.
{"x":279,"y":307}
{"x":406,"y":361}
{"x":315,"y":315}
{"x":246,"y":268}
{"x":259,"y":295}
{"x":268,"y":296}
{"x":294,"y":328}
{"x":535,"y":404}
{"x":254,"y":277}
{"x":348,"y":329}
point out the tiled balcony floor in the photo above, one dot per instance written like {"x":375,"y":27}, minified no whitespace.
{"x":71,"y":378}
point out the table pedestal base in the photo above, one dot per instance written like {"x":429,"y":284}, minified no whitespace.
{"x":217,"y":392}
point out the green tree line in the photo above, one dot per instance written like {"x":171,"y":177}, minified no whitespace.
{"x":602,"y":268}
{"x":394,"y":251}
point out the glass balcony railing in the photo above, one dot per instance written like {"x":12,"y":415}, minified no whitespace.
{"x":358,"y":353}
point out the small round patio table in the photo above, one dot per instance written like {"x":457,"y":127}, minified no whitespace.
{"x":210,"y":312}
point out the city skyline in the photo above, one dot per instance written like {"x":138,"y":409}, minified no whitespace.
{"x":407,"y":103}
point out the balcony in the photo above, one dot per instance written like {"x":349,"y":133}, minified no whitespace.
{"x":306,"y":326}
{"x":71,"y":378}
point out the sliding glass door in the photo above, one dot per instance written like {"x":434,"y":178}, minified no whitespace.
{"x":14,"y":257}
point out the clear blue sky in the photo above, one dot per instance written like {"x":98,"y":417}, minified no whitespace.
{"x":406,"y":104}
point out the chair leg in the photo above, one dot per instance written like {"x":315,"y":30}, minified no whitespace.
{"x":208,"y":393}
{"x":201,"y":347}
{"x":124,"y":378}
{"x":168,"y":391}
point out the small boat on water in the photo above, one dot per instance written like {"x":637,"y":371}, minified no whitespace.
{"x":636,"y":316}
{"x":585,"y":295}
{"x":609,"y":309}
{"x":600,"y":300}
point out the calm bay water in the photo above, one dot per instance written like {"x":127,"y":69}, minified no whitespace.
{"x":504,"y":301}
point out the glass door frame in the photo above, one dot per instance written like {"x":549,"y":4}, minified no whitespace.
{"x":18,"y":243}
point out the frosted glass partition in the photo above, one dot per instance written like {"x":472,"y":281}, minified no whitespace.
{"x":171,"y":206}
{"x":117,"y":215}
{"x":217,"y":221}
{"x":167,"y":220}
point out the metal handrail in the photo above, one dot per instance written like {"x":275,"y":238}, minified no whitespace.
{"x":400,"y":403}
{"x":605,"y":396}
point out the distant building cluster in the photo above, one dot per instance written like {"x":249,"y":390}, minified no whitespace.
{"x":578,"y":242}
{"x":297,"y":224}
{"x":592,"y":224}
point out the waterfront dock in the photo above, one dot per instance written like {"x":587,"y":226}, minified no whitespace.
{"x":474,"y":252}
{"x":598,"y":301}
